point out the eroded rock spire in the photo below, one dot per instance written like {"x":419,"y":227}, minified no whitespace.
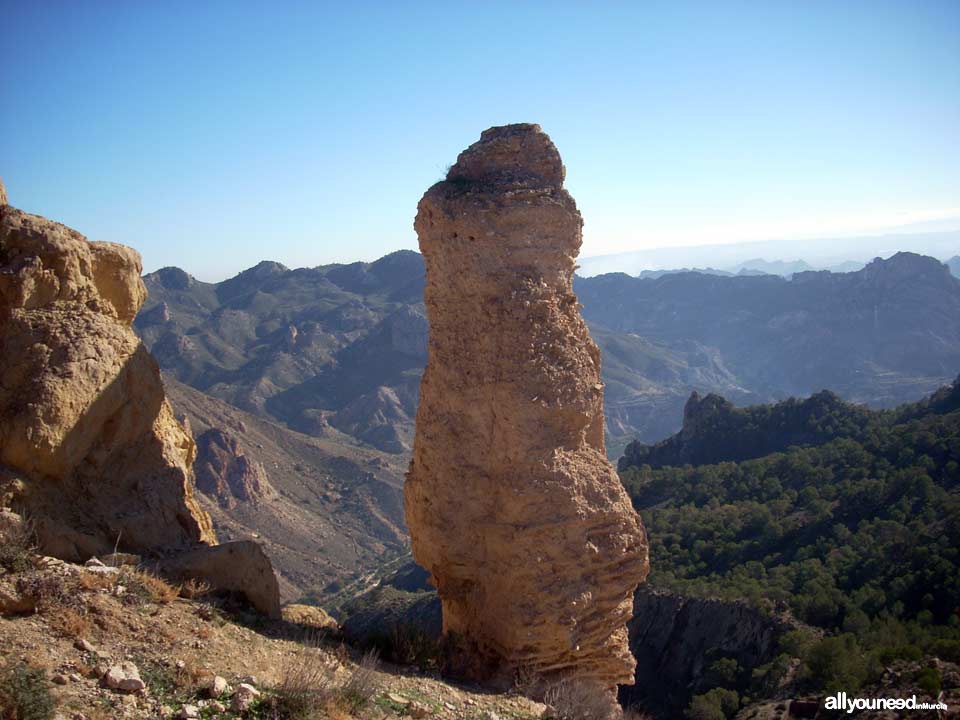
{"x":511,"y":502}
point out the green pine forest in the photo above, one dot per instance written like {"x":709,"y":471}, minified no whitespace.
{"x":846,"y":519}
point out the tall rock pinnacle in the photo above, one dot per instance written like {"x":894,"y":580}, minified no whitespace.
{"x":512,"y":504}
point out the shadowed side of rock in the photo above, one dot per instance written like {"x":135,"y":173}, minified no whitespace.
{"x":89,"y":447}
{"x":239,"y":566}
{"x":511,"y":502}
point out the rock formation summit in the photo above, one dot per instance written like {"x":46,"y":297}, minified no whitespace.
{"x":89,"y":448}
{"x":512,"y":505}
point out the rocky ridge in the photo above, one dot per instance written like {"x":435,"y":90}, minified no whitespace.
{"x":511,"y":407}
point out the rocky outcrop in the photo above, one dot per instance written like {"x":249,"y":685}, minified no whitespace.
{"x":511,"y":503}
{"x":240,"y":567}
{"x":89,"y":447}
{"x":224,"y":472}
{"x":377,"y":418}
{"x":677,"y":640}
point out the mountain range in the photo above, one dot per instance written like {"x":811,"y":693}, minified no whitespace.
{"x":313,"y":376}
{"x":337,"y":350}
{"x":935,"y":238}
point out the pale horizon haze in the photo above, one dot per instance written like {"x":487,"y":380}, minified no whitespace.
{"x":214,"y":135}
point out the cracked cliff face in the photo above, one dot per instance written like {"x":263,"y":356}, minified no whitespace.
{"x":512,"y":504}
{"x":89,"y":447}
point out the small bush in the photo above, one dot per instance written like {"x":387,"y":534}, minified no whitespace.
{"x":837,"y":663}
{"x":929,"y":680}
{"x":406,"y":644}
{"x":17,"y":549}
{"x":24,"y":693}
{"x":193,"y":589}
{"x":94,"y":581}
{"x":48,"y":591}
{"x":305,"y":689}
{"x":577,"y":700}
{"x":715,"y":704}
{"x":362,"y":686}
{"x":151,"y":587}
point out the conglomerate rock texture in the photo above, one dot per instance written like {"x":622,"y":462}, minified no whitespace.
{"x":89,"y":447}
{"x":511,"y":502}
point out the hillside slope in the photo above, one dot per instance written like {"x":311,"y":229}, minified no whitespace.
{"x":335,"y":510}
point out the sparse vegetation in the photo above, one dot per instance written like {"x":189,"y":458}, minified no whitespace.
{"x":573,"y":699}
{"x":71,"y":623}
{"x":306,"y":688}
{"x":24,"y":692}
{"x":48,"y":591}
{"x":192,"y":588}
{"x":363,"y":684}
{"x":405,"y":644}
{"x":17,"y":549}
{"x":151,"y":587}
{"x":715,"y":704}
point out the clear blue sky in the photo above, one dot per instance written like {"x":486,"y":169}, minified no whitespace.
{"x":211,"y":135}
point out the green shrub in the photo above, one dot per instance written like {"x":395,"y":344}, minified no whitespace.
{"x":715,"y":704}
{"x":17,"y":549}
{"x":837,"y":663}
{"x":24,"y":693}
{"x":929,"y":680}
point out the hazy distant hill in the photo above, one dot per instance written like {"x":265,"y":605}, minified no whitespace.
{"x":337,"y":351}
{"x":954,"y":265}
{"x":936,"y":239}
{"x":883,"y":335}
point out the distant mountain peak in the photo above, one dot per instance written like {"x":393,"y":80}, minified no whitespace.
{"x":173,"y":278}
{"x":265,"y":268}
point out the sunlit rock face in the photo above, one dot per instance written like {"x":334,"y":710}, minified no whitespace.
{"x":89,"y":448}
{"x":511,"y":502}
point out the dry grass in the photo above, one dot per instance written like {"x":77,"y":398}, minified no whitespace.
{"x":191,"y":675}
{"x":576,"y":700}
{"x":193,"y":589}
{"x":70,"y":623}
{"x":154,"y":588}
{"x":525,"y":681}
{"x":306,"y":688}
{"x":93,"y":582}
{"x":363,"y":684}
